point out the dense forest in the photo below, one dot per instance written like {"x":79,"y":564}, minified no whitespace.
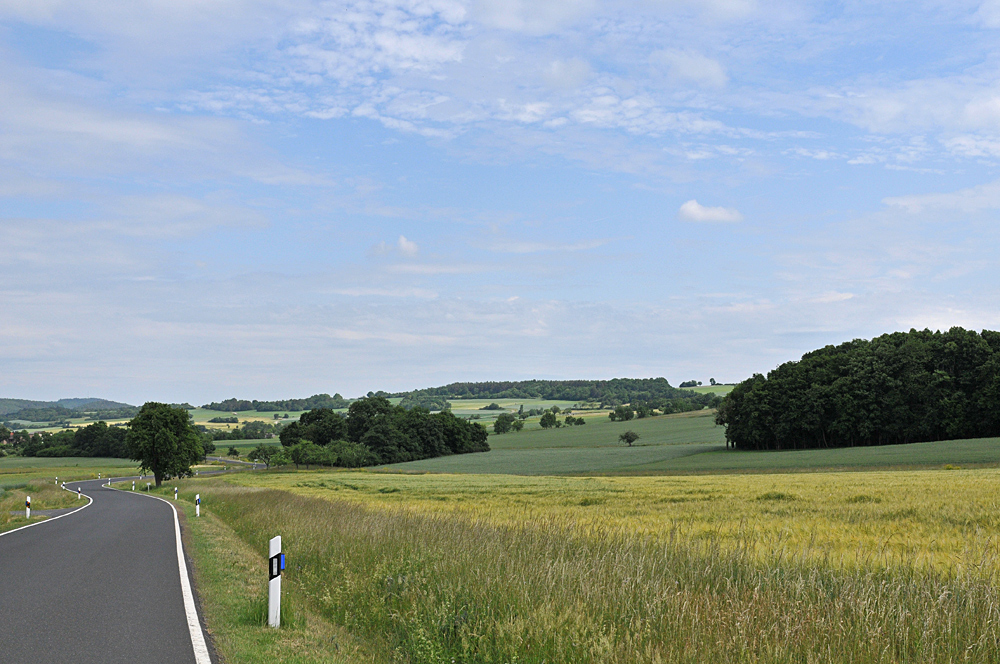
{"x":309,"y":403}
{"x":606,"y":392}
{"x":904,"y":387}
{"x":9,"y":407}
{"x":376,"y":430}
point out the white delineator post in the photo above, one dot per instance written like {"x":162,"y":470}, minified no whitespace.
{"x":175,"y":493}
{"x":197,"y":504}
{"x":78,"y":494}
{"x":275,"y":563}
{"x":133,"y":485}
{"x":27,"y":512}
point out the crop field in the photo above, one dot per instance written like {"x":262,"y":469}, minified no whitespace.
{"x":896,"y":566}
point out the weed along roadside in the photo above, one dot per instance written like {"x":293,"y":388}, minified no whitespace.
{"x":387,"y":583}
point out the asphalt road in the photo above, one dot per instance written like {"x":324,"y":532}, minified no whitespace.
{"x":101,"y":585}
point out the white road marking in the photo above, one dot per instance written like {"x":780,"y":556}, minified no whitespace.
{"x":198,"y":644}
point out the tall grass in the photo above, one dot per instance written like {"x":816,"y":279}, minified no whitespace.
{"x":442,"y":588}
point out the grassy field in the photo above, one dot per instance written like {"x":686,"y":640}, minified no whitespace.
{"x":683,"y":443}
{"x":712,"y":389}
{"x":15,"y":470}
{"x":833,"y":567}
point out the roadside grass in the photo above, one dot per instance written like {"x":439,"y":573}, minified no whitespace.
{"x":448,"y":586}
{"x":231,"y":580}
{"x":44,"y":496}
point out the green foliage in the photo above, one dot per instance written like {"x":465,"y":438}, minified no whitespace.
{"x":621,"y":414}
{"x":691,"y":383}
{"x":375,"y":431}
{"x":897,"y":388}
{"x":608,"y":392}
{"x":426,"y":401}
{"x":310,"y":403}
{"x":225,"y":420}
{"x":163,"y":440}
{"x":262,"y":454}
{"x":95,"y":440}
{"x":548,"y":420}
{"x":233,"y":452}
{"x":628,"y":437}
{"x":492,"y":406}
{"x":250,"y":431}
{"x":505,"y":423}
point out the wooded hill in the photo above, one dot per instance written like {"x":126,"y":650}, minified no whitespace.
{"x":606,"y":392}
{"x":905,"y":387}
{"x":18,"y":409}
{"x":309,"y":403}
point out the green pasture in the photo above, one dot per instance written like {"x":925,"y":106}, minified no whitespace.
{"x":244,"y":446}
{"x":971,"y":452}
{"x":684,"y":443}
{"x":600,"y":431}
{"x":202,"y":416}
{"x":711,"y":389}
{"x":14,"y":470}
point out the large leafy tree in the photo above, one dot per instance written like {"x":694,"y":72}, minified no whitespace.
{"x":163,"y":440}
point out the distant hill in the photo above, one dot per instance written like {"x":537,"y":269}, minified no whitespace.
{"x":26,"y":410}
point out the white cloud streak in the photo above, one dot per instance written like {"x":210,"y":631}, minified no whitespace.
{"x":694,"y":211}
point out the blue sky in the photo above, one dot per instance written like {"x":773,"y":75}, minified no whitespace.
{"x":269,"y":199}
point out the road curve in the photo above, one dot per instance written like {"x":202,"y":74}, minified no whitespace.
{"x":100,"y":585}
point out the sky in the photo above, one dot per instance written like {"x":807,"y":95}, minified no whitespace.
{"x":268,"y":199}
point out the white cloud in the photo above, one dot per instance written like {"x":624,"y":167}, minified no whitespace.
{"x":691,"y":66}
{"x":693,"y":211}
{"x":407,"y":247}
{"x":534,"y":17}
{"x":974,"y":199}
{"x":567,"y":74}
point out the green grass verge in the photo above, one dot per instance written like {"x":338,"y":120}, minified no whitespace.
{"x":231,"y":582}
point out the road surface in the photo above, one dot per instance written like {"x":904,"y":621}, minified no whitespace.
{"x":100,"y":585}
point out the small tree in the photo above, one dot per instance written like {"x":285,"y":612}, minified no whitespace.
{"x":263,"y":454}
{"x":233,"y":452}
{"x":163,"y":440}
{"x":548,"y":420}
{"x":517,"y":425}
{"x":503,"y":423}
{"x":628,"y":437}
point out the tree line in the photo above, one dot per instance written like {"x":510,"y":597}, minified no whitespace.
{"x":309,"y":403}
{"x":380,"y":432}
{"x":606,"y":392}
{"x":904,"y":387}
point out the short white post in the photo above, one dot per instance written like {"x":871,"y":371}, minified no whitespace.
{"x":275,"y":563}
{"x":147,"y":486}
{"x":197,"y":504}
{"x":27,"y":509}
{"x":98,"y":476}
{"x":57,"y":480}
{"x":78,"y":494}
{"x":175,"y":493}
{"x":133,"y":485}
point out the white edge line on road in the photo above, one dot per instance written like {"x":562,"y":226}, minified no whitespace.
{"x":50,"y":519}
{"x":198,"y":644}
